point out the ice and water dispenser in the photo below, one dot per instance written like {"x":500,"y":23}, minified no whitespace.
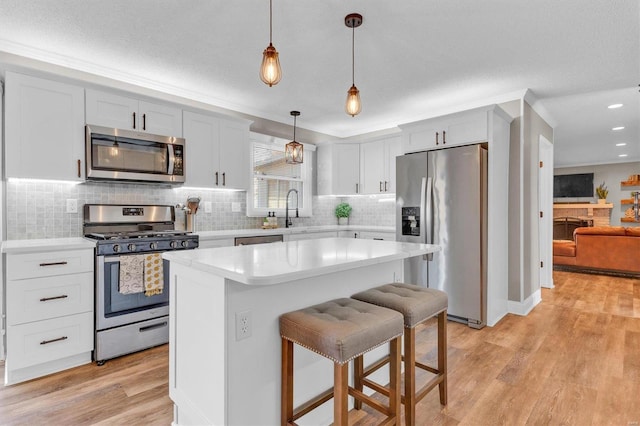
{"x":411,"y":221}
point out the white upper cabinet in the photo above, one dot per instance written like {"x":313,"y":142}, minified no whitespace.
{"x":455,"y":129}
{"x":235,"y":166}
{"x":122,"y":112}
{"x":339,"y":169}
{"x":217,"y":151}
{"x":44,"y":129}
{"x":378,"y":165}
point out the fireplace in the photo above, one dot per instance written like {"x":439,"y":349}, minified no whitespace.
{"x":563,"y":227}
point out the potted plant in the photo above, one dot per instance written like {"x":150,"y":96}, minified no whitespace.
{"x":602,"y":192}
{"x":343,"y":210}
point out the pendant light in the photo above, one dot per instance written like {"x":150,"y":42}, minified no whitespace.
{"x":293,"y":150}
{"x":353,"y":105}
{"x":270,"y":71}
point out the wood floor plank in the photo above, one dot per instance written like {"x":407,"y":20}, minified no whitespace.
{"x":574,"y":360}
{"x":563,"y":403}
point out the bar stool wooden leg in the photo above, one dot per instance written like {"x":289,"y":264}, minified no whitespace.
{"x":340,"y":394}
{"x":286,"y":398}
{"x":358,"y":371}
{"x":442,"y":355}
{"x":395,"y":357}
{"x":410,"y":376}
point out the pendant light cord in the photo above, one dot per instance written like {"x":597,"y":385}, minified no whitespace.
{"x":353,"y":56}
{"x":270,"y":21}
{"x":294,"y":127}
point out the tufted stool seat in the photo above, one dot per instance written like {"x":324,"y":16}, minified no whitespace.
{"x":417,"y":305}
{"x":340,"y":330}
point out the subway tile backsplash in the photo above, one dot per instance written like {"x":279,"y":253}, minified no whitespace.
{"x":39,"y":209}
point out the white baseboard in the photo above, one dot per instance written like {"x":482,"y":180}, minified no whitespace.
{"x":547,"y":285}
{"x":523,"y":308}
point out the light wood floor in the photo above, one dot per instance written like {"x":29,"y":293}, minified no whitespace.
{"x":574,"y":360}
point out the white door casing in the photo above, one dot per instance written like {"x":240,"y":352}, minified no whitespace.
{"x":545,"y":206}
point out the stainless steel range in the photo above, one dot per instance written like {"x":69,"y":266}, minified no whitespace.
{"x":132,"y":280}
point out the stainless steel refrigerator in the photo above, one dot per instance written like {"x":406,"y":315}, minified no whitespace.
{"x":441,"y":198}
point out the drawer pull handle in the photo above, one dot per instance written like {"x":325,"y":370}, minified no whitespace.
{"x":46,"y":342}
{"x":46,"y":299}
{"x":53,"y":263}
{"x":153,"y":327}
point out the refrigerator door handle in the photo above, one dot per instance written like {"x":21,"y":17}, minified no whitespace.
{"x":426,"y":216}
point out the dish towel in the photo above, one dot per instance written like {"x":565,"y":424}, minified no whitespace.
{"x":131,"y":274}
{"x":153,"y":274}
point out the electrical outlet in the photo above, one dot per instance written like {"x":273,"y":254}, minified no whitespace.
{"x":72,"y":205}
{"x":207,"y":207}
{"x":243,"y":325}
{"x":235,"y":207}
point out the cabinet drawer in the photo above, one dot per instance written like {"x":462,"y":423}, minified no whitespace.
{"x":44,"y":341}
{"x":42,"y":298}
{"x":46,"y":264}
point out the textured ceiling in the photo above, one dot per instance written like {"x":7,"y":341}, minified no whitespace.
{"x":414,"y":59}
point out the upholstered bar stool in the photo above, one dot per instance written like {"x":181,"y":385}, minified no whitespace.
{"x":417,"y":305}
{"x":340,"y":330}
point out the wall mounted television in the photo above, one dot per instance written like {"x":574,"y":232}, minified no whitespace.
{"x":574,"y":188}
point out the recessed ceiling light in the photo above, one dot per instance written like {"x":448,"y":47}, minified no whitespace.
{"x":621,"y":144}
{"x":617,"y":128}
{"x":622,"y":155}
{"x":614,"y":106}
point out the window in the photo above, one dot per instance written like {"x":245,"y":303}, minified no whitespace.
{"x":272,"y":179}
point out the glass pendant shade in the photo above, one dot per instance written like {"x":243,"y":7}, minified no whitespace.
{"x":270,"y":71}
{"x":353,"y":105}
{"x":293,"y":152}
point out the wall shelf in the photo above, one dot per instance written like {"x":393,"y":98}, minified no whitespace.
{"x":629,"y":220}
{"x":582,"y":206}
{"x":630,"y":183}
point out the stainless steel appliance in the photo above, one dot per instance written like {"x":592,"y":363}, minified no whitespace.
{"x":114,"y":154}
{"x":129,"y":321}
{"x":441,"y":198}
{"x":258,"y":239}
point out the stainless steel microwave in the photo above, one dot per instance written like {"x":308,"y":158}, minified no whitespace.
{"x":115,"y":154}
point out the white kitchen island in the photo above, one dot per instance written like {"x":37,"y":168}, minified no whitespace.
{"x":225,"y":302}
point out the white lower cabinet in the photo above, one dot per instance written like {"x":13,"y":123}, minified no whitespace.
{"x":50,"y":321}
{"x":368,"y":235}
{"x":225,"y":242}
{"x":311,"y":235}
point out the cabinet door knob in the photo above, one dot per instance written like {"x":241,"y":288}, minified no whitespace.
{"x":356,"y":188}
{"x":380,"y":186}
{"x":79,"y":167}
{"x":144,"y":121}
{"x":216,"y":178}
{"x":437,"y":138}
{"x":224,"y":178}
{"x":444,"y":137}
{"x":385,"y":186}
{"x":134,"y":120}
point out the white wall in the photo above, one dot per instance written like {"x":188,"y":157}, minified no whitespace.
{"x":524,"y":252}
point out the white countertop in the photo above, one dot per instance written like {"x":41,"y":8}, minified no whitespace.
{"x":231,"y":233}
{"x":268,"y":264}
{"x":46,"y":244}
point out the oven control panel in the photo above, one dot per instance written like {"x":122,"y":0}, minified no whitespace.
{"x":140,"y":245}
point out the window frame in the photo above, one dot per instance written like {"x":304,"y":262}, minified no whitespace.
{"x":271,"y":142}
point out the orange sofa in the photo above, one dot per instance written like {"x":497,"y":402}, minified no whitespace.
{"x":600,"y":248}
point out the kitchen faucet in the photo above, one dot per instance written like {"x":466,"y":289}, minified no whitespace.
{"x":287,"y":221}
